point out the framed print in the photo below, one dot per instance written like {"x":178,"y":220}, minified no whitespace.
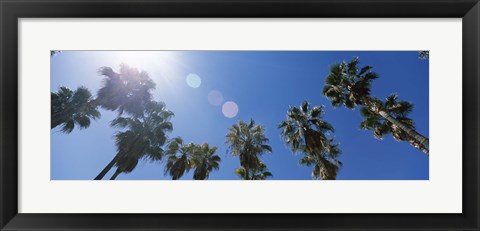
{"x":310,"y":115}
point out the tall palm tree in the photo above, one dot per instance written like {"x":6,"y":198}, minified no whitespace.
{"x":259,"y":173}
{"x":53,"y":53}
{"x":128,"y":91}
{"x":350,"y":86}
{"x":247,"y":141}
{"x":205,"y":161}
{"x":424,"y":54}
{"x":325,"y":165}
{"x":305,"y":131}
{"x":180,"y":157}
{"x":381,"y":127}
{"x":142,"y":138}
{"x":70,"y":108}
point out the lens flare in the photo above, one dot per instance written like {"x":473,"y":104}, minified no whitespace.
{"x":215,"y":98}
{"x":193,"y":80}
{"x":230,"y":109}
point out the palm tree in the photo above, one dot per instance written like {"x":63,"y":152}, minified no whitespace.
{"x":381,"y":127}
{"x":347,"y":85}
{"x":126,"y":91}
{"x":304,"y":130}
{"x":324,"y":166}
{"x":247,"y":141}
{"x":125,"y":164}
{"x":53,"y":53}
{"x":70,"y":108}
{"x":205,"y":161}
{"x":260,"y":173}
{"x":424,"y":54}
{"x":179,"y":157}
{"x":142,"y":138}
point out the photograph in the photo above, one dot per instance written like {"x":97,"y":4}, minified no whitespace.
{"x":297,"y":115}
{"x":239,"y":115}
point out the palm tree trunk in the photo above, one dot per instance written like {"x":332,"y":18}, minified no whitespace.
{"x":107,"y":168}
{"x":417,"y":137}
{"x":423,"y":141}
{"x":417,"y":145}
{"x":246,"y":173}
{"x":116,"y":174}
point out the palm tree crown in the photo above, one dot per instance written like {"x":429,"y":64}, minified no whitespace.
{"x":325,"y":165}
{"x":179,"y":157}
{"x":53,"y":53}
{"x":143,"y":136}
{"x":126,"y":91}
{"x":205,"y":161}
{"x":304,"y":130}
{"x":259,"y":173}
{"x":247,"y":141}
{"x":347,"y":85}
{"x":424,"y":54}
{"x":70,"y":108}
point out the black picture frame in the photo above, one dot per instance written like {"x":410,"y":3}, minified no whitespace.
{"x":12,"y":10}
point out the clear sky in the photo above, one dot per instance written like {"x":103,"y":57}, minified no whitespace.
{"x":263,"y":84}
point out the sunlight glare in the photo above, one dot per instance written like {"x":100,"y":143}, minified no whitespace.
{"x":230,"y":109}
{"x":162,"y":66}
{"x":193,"y":80}
{"x":215,"y":98}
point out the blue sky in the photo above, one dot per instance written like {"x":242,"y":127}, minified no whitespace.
{"x":263,"y":84}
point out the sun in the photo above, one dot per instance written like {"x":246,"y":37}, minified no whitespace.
{"x":164,"y":67}
{"x":150,"y":61}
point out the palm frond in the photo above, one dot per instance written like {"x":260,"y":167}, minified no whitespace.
{"x":347,"y":85}
{"x":304,"y":130}
{"x":70,"y":108}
